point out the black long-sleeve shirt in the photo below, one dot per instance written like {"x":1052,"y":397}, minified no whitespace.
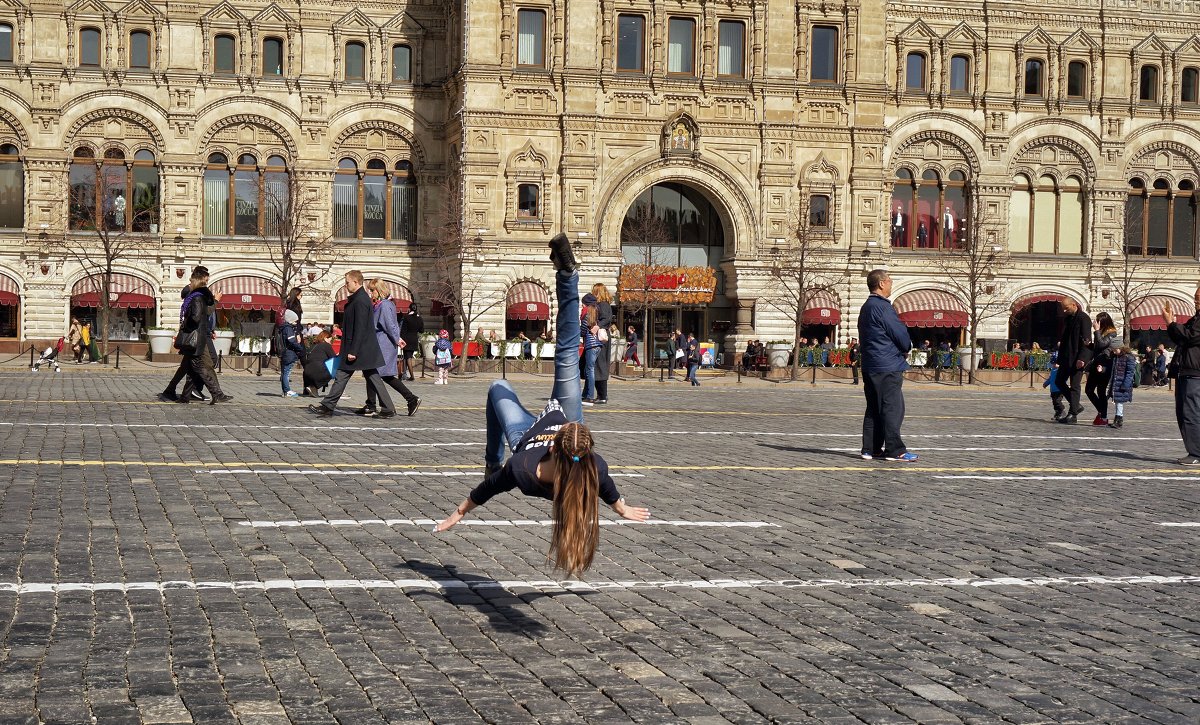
{"x":521,"y":469}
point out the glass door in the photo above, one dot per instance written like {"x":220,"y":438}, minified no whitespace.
{"x":665,"y":322}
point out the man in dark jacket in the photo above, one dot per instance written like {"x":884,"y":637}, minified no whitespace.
{"x":885,"y":343}
{"x":195,"y":320}
{"x":1186,"y":363}
{"x":411,"y":327}
{"x":1073,"y":356}
{"x":360,"y":349}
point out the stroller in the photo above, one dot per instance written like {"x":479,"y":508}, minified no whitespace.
{"x":50,"y":356}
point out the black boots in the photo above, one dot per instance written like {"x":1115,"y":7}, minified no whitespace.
{"x":1117,"y":422}
{"x":561,"y":255}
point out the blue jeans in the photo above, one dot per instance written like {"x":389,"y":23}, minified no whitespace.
{"x":507,"y":419}
{"x":691,"y":373}
{"x":285,"y":376}
{"x":589,"y":371}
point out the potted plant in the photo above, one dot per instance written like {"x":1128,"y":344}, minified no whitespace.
{"x":223,"y":341}
{"x":162,"y":340}
{"x":777,"y":353}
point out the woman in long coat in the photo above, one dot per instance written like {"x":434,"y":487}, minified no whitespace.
{"x":604,"y":320}
{"x":387,"y":334}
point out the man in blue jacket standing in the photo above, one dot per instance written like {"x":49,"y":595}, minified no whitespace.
{"x":884,"y":345}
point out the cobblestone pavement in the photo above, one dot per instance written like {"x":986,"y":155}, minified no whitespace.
{"x":248,"y":563}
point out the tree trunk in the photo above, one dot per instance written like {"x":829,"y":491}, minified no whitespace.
{"x":796,"y":349}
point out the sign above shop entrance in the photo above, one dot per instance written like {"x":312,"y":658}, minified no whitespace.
{"x":659,"y":284}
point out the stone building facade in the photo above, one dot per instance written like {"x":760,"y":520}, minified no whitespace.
{"x":898,"y":129}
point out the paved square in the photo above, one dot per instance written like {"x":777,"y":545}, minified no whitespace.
{"x":248,"y":563}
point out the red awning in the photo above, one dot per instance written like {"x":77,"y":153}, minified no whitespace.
{"x":246,"y":293}
{"x":528,"y":301}
{"x":10,"y":292}
{"x":1032,"y":299}
{"x":822,"y":309}
{"x":1148,"y":315}
{"x":401,"y":297}
{"x":930,"y":308}
{"x":9,"y":298}
{"x":124,"y":291}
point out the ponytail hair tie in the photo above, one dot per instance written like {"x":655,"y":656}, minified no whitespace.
{"x":575,"y":458}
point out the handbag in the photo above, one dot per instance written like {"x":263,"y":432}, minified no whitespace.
{"x":187,"y":341}
{"x":332,"y":365}
{"x":602,"y":335}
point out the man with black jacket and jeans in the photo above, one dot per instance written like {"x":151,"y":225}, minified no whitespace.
{"x":1073,"y":356}
{"x":195,"y":319}
{"x":885,"y":343}
{"x":1186,"y":363}
{"x":360,"y":350}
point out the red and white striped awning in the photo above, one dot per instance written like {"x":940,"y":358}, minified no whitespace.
{"x":823,"y":308}
{"x":246,"y":293}
{"x":1148,"y":315}
{"x":930,"y":308}
{"x":124,"y":291}
{"x":10,"y":291}
{"x":528,"y":301}
{"x":401,"y":297}
{"x":1032,"y":299}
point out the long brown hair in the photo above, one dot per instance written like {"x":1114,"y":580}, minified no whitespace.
{"x":576,"y":492}
{"x":1107,"y":326}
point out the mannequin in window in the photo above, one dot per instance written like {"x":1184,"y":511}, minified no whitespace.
{"x":949,"y":225}
{"x":898,"y":224}
{"x":922,"y":236}
{"x":119,"y":210}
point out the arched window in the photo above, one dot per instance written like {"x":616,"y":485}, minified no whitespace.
{"x":1160,"y":221}
{"x":1034,"y":81}
{"x":89,"y":47}
{"x":960,"y":74}
{"x":139,"y":49}
{"x":401,"y":64}
{"x":245,"y":199}
{"x":113,"y":194}
{"x":6,"y":43}
{"x":929,"y":213}
{"x":1070,"y":216}
{"x":356,"y":61}
{"x":225,"y":55}
{"x":374,"y":203}
{"x":1077,"y":79}
{"x":673,"y":224}
{"x":1148,"y":84}
{"x":12,"y":188}
{"x":914,"y":72}
{"x":1189,"y":86}
{"x":272,"y":55}
{"x":1044,"y":203}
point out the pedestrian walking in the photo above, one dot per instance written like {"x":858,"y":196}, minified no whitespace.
{"x":293,"y":303}
{"x":553,"y":456}
{"x":194,"y":340}
{"x":73,"y":339}
{"x":290,"y":352}
{"x":1105,"y":342}
{"x":1057,"y":399}
{"x":591,"y":347}
{"x":676,"y":353}
{"x":1160,"y":365}
{"x":387,"y":334}
{"x":442,"y":358}
{"x":1074,"y":354}
{"x":631,"y":343}
{"x":692,"y":358}
{"x":316,"y":372}
{"x":603,"y":333}
{"x":411,"y":327}
{"x":853,"y":353}
{"x":360,"y":351}
{"x":1120,"y":387}
{"x":169,"y":393}
{"x":1185,"y":366}
{"x":885,"y":346}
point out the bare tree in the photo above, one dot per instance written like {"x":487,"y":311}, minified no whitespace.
{"x":293,"y":235}
{"x":971,"y":267}
{"x":1125,"y":272}
{"x":650,"y":236}
{"x":803,"y":269}
{"x":457,"y":276}
{"x":103,"y":232}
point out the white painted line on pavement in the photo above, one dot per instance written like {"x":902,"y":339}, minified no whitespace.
{"x":551,"y":585}
{"x":323,"y":472}
{"x":341,"y":444}
{"x":498,"y":522}
{"x":1184,"y":524}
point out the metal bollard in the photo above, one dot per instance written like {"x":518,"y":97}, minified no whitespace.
{"x":504,"y":366}
{"x":118,"y":365}
{"x":31,"y":349}
{"x":220,"y":357}
{"x":259,"y":371}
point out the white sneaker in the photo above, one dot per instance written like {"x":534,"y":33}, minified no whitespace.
{"x":291,"y":394}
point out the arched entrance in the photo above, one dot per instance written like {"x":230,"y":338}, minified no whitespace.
{"x":1036,"y":317}
{"x":10,"y":306}
{"x":672,"y":241}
